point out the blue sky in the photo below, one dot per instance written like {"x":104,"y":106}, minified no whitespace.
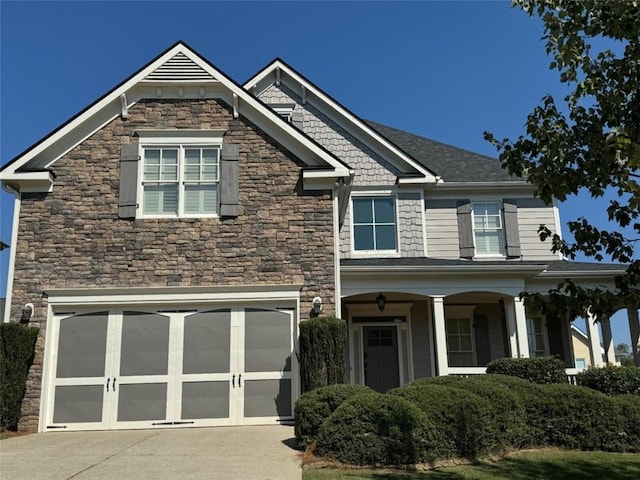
{"x":444,"y":70}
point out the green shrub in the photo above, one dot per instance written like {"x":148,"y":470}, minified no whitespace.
{"x":508,"y":414}
{"x":531,"y":397}
{"x":377,"y":429}
{"x":628,"y":409}
{"x":462,"y":420}
{"x":581,"y":418}
{"x":314,"y":407}
{"x":322,"y":352}
{"x":17,"y":343}
{"x":541,"y":370}
{"x":611,"y":380}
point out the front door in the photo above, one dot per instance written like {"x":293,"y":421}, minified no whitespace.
{"x":381,"y":371}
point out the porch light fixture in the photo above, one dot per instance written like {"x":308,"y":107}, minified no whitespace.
{"x":27,"y":313}
{"x":382,"y":301}
{"x":317,"y":306}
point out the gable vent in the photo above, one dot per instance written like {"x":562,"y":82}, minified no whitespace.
{"x":180,"y":67}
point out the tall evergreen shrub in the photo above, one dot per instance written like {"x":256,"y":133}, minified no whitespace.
{"x":17,"y":348}
{"x":322,"y":352}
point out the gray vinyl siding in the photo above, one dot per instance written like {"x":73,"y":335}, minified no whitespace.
{"x":345,"y":235}
{"x":371,"y":169}
{"x":531,"y":214}
{"x":421,"y":340}
{"x":442,"y":229}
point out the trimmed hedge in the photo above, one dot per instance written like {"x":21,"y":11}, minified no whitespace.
{"x":314,"y":407}
{"x":377,"y":429}
{"x":17,"y":347}
{"x":628,"y":408}
{"x":507,"y":420}
{"x":463,"y":420}
{"x":611,"y":380}
{"x":322,"y":354}
{"x":540,"y":370}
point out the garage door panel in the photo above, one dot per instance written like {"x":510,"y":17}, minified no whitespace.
{"x":78,"y":404}
{"x":82,"y":346}
{"x":267,"y":345}
{"x":145,"y":344}
{"x":138,"y":402}
{"x":206,"y":345}
{"x":202,"y":400}
{"x":267,"y":398}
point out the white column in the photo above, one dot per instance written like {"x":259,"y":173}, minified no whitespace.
{"x":594,"y":340}
{"x":607,"y":340}
{"x":521,"y":327}
{"x":511,"y":329}
{"x":441,"y":335}
{"x":634,"y":329}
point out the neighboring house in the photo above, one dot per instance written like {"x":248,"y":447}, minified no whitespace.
{"x":582,"y":352}
{"x":173,"y":234}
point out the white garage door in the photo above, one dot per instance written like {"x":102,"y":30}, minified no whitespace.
{"x":146,"y":368}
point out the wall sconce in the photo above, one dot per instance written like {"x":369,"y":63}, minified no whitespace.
{"x":27,"y":313}
{"x":317,"y":306}
{"x":382,"y":301}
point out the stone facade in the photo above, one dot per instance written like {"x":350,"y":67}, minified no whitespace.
{"x":73,"y":238}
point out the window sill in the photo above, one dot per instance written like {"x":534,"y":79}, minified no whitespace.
{"x":375,"y":253}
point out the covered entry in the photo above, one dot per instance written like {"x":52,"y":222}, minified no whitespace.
{"x":159,"y":367}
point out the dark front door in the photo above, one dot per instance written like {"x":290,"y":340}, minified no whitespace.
{"x":381,"y":358}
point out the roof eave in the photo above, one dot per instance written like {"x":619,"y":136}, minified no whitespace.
{"x":476,"y":269}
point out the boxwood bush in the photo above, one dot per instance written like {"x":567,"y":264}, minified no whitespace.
{"x":628,"y":409}
{"x":377,"y":429}
{"x":463,"y":421}
{"x":507,"y":411}
{"x":541,"y":370}
{"x":17,"y":343}
{"x":314,"y":407}
{"x":581,"y":418}
{"x":611,"y":380}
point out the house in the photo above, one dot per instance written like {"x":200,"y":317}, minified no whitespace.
{"x":582,"y":355}
{"x":169,"y":239}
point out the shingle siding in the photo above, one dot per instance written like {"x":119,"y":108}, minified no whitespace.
{"x":410,"y":224}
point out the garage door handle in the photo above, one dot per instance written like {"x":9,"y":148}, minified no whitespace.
{"x":108,"y":379}
{"x":233,"y":381}
{"x":114,"y":384}
{"x":240,"y":380}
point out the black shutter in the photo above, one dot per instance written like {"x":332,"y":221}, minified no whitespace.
{"x":483,"y":347}
{"x":465,"y":229}
{"x":128,"y":196}
{"x":229,"y":180}
{"x":512,"y":235}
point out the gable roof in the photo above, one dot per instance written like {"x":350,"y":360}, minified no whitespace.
{"x":280,"y":70}
{"x":178,"y":65}
{"x":451,"y":163}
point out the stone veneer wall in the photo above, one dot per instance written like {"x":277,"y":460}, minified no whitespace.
{"x":73,"y":238}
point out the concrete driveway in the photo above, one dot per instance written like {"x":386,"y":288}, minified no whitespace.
{"x":261,"y":452}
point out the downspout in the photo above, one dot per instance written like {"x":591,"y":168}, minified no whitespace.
{"x":12,"y":252}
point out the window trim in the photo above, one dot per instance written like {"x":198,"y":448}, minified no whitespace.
{"x":181,"y":140}
{"x":374,"y":253}
{"x":503,"y":252}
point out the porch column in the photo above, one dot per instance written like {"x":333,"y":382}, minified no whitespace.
{"x":594,"y":340}
{"x":511,"y":329}
{"x":440,"y":335}
{"x":607,"y":340}
{"x":521,"y":327}
{"x":634,"y":329}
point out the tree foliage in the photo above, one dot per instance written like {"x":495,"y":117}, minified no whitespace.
{"x":589,"y":141}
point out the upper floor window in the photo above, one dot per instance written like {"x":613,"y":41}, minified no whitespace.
{"x":374,"y":224}
{"x":488,"y":228}
{"x":180,"y":180}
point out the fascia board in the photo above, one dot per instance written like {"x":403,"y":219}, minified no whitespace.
{"x":344,"y":114}
{"x":606,"y":274}
{"x":283,"y":132}
{"x":457,"y":186}
{"x":444,"y":269}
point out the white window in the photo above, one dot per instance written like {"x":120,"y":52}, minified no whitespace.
{"x":374,"y":224}
{"x":488,"y":228}
{"x":460,"y":342}
{"x":180,"y":180}
{"x":536,"y":337}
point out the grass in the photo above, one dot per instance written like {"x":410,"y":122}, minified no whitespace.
{"x":532,"y":465}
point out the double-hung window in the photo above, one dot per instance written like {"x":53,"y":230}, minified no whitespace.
{"x":536,"y":337}
{"x":180,"y":180}
{"x":488,"y":228}
{"x":374,"y":224}
{"x":460,"y":351}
